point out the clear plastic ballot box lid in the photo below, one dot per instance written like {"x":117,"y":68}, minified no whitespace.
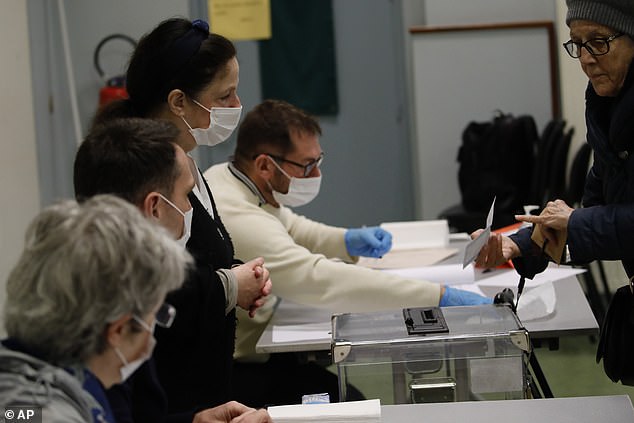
{"x":472,"y":349}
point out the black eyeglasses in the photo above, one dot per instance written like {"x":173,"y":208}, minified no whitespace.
{"x":308,"y":168}
{"x":595,"y":46}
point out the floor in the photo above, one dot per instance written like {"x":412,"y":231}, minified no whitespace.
{"x":572,"y":370}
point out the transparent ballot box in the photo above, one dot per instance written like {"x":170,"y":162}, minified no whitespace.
{"x":432,"y":354}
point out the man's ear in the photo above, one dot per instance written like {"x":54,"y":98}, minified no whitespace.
{"x":176,"y":101}
{"x":263,"y":167}
{"x":149,"y":207}
{"x":117,"y":330}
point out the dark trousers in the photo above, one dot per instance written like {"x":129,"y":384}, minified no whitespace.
{"x":283,"y":379}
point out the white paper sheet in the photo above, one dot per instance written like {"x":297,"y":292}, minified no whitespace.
{"x":408,"y":258}
{"x":510,"y":278}
{"x":368,"y":411}
{"x":473,"y":248}
{"x":447,"y":274}
{"x":418,"y":234}
{"x":303,"y":332}
{"x":537,"y":303}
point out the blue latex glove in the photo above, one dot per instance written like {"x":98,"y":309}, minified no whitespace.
{"x":458,"y":297}
{"x":368,"y":242}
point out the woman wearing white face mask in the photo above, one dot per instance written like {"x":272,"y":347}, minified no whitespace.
{"x":89,"y":284}
{"x":182,"y":73}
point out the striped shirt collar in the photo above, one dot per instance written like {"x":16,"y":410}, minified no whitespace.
{"x":248,"y":182}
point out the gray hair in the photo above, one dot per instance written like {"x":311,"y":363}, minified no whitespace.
{"x":83,"y":267}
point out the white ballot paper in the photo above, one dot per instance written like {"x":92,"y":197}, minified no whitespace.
{"x":367,"y":411}
{"x":537,"y":303}
{"x":473,"y":248}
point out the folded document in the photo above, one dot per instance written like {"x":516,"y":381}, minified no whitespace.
{"x":368,"y":411}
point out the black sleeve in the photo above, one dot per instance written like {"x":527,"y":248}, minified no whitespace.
{"x":141,"y":399}
{"x":194,"y":356}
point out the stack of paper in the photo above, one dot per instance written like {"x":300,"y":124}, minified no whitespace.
{"x":418,"y":234}
{"x":368,"y":411}
{"x":415,"y":243}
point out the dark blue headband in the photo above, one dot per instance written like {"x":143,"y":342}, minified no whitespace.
{"x":185,"y":47}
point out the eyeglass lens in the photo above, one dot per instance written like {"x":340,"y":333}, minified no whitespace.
{"x":596,"y":46}
{"x":165,"y":315}
{"x":308,"y":169}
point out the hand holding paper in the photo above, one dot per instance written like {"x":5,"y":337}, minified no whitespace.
{"x":498,"y":250}
{"x":473,"y":248}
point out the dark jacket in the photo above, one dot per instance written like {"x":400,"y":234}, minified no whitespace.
{"x":192,"y":360}
{"x":604,"y":228}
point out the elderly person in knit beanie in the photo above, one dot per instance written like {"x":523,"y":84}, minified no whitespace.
{"x":601,"y":34}
{"x":601,"y":38}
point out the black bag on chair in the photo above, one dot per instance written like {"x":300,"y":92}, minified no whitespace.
{"x":616,"y":345}
{"x":496,"y":160}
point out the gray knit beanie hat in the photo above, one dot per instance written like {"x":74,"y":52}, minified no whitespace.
{"x":617,"y":14}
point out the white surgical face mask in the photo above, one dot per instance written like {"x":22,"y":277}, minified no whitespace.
{"x":300,"y":190}
{"x":222,"y":122}
{"x":130,"y":367}
{"x":187,"y":222}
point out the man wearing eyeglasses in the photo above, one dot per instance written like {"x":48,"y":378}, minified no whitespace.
{"x":277,"y":166}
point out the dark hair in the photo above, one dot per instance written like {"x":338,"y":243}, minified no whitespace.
{"x":127,"y":157}
{"x":268,"y":126}
{"x":177,"y":54}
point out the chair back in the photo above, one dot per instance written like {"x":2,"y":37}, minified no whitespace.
{"x":578,"y":174}
{"x":552,"y":134}
{"x":558,"y":165}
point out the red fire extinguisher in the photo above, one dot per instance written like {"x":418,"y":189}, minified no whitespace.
{"x":114,"y":87}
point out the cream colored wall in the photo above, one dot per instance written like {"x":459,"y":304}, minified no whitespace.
{"x":18,"y":162}
{"x":573,"y":82}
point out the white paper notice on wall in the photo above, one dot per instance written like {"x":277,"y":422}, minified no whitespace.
{"x":473,"y":248}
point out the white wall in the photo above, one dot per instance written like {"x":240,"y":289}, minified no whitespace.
{"x":573,"y":84}
{"x":435,"y":168}
{"x":370,"y":84}
{"x":18,"y":167}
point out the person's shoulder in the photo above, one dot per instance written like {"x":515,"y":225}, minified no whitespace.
{"x":30,"y":381}
{"x":216,"y":171}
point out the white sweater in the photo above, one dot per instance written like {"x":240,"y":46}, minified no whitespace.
{"x":299,"y":254}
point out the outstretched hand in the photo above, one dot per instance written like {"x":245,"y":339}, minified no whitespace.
{"x":459,"y":297}
{"x":232,"y":412}
{"x":498,"y":250}
{"x":368,"y":242}
{"x":552,"y":220}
